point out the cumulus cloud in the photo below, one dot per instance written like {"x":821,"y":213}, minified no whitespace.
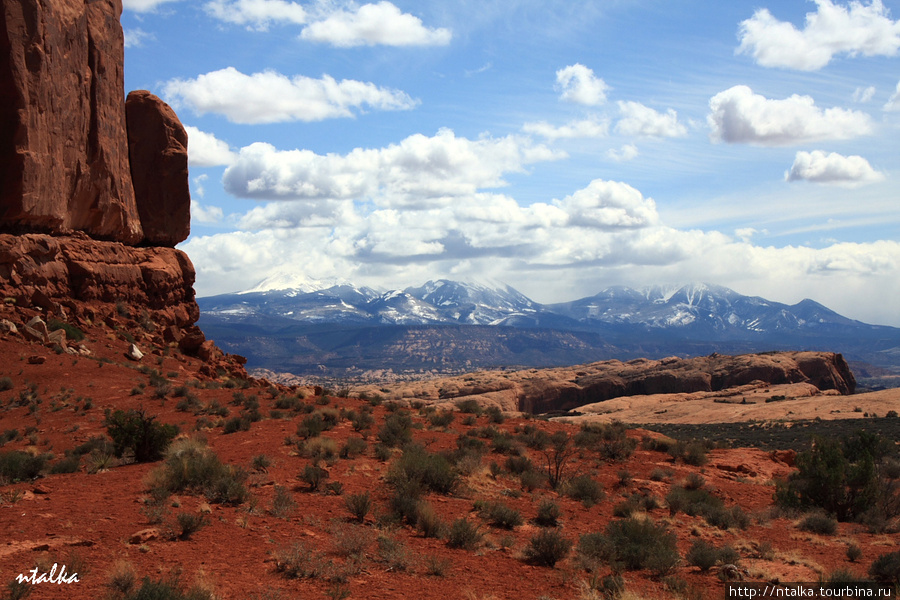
{"x":134,"y":38}
{"x":585,"y":128}
{"x":418,"y":170}
{"x":144,"y":5}
{"x":638,"y":119}
{"x":624,"y":154}
{"x":740,"y":116}
{"x":271,"y":97}
{"x":609,"y":205}
{"x":373,"y":24}
{"x":863,"y":95}
{"x":206,"y":150}
{"x":893,"y":102}
{"x":205,"y":214}
{"x":832,"y":168}
{"x":257,"y":14}
{"x":577,"y":83}
{"x":858,"y":28}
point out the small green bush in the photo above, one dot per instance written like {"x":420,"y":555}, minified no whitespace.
{"x":634,"y":544}
{"x":518,"y":465}
{"x":432,"y":472}
{"x":353,"y":447}
{"x":189,"y":523}
{"x":428,"y":523}
{"x":20,"y":466}
{"x":135,"y":431}
{"x":547,"y":548}
{"x":192,"y":466}
{"x":300,"y":561}
{"x":463,"y":534}
{"x":585,"y":489}
{"x":283,"y":504}
{"x":818,"y":523}
{"x":441,"y":419}
{"x":500,"y":515}
{"x":469,"y":407}
{"x":703,"y":555}
{"x":886,"y":569}
{"x":69,"y":464}
{"x":313,"y":476}
{"x":359,"y":505}
{"x":548,"y":514}
{"x":397,"y":430}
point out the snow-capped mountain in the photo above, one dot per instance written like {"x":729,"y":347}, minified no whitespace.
{"x":303,"y":326}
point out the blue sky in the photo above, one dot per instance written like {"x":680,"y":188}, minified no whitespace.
{"x":558,"y":147}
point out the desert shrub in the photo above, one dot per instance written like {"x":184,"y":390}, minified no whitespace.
{"x":172,"y":589}
{"x":352,"y":541}
{"x":557,"y":454}
{"x":193,"y":467}
{"x":469,"y":407}
{"x":20,"y":466}
{"x":6,"y":383}
{"x":585,"y":489}
{"x":609,"y":440}
{"x":235,"y":424}
{"x":854,"y":552}
{"x":300,"y":561}
{"x":886,"y":569}
{"x":518,"y":464}
{"x":463,"y":534}
{"x":428,"y":523}
{"x":359,"y":505}
{"x":319,"y":448}
{"x":692,"y":502}
{"x":500,"y":515}
{"x":504,"y":444}
{"x":818,"y":522}
{"x":534,"y":438}
{"x":432,"y":472}
{"x":495,"y":415}
{"x":394,"y":553}
{"x":284,"y":402}
{"x":353,"y":447}
{"x":362,"y":421}
{"x":313,"y":476}
{"x":703,"y":555}
{"x":633,"y":544}
{"x":441,"y":418}
{"x":283,"y":504}
{"x":135,"y":431}
{"x":383,"y":452}
{"x":532,"y":480}
{"x":726,"y":518}
{"x":72,"y":332}
{"x":846,"y":478}
{"x":396,"y":430}
{"x":692,"y":453}
{"x":547,"y":548}
{"x":311,"y":426}
{"x":69,"y":464}
{"x":548,"y":514}
{"x":189,"y":523}
{"x":260,"y":463}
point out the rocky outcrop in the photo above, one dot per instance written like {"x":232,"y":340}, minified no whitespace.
{"x":567,"y":388}
{"x":157,"y":144}
{"x":84,"y":279}
{"x":63,"y":151}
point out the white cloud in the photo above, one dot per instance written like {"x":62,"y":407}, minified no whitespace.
{"x":205,"y":150}
{"x":863,"y":95}
{"x":134,"y":38}
{"x":144,"y":5}
{"x":856,"y":29}
{"x":893,"y":102}
{"x":373,"y":24}
{"x":585,"y":128}
{"x":257,"y":14}
{"x":205,"y":214}
{"x":418,"y":170}
{"x":626,"y":153}
{"x":199,"y":181}
{"x":578,"y":84}
{"x":740,"y":116}
{"x":832,"y":168}
{"x":638,"y":119}
{"x":609,"y":205}
{"x":271,"y":97}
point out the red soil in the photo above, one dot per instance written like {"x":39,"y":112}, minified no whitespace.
{"x":85,"y":521}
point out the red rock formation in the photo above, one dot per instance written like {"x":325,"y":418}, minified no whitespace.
{"x":63,"y":150}
{"x":77,"y":275}
{"x":157,"y":144}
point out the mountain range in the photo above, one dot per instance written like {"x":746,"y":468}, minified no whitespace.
{"x":336,"y":329}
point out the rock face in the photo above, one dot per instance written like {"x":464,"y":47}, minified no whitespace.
{"x":63,"y":151}
{"x":75,"y":276}
{"x":567,"y":388}
{"x":157,"y":144}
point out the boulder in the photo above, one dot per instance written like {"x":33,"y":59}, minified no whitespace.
{"x":157,"y":145}
{"x":64,"y":162}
